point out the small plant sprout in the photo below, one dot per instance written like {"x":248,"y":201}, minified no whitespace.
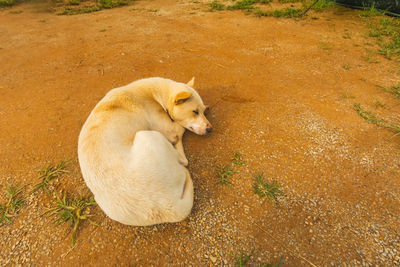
{"x":266,"y":190}
{"x":13,"y":204}
{"x":49,"y":173}
{"x":238,"y":159}
{"x":348,"y":95}
{"x":346,"y":67}
{"x":378,"y":104}
{"x":72,"y":210}
{"x":224,"y":174}
{"x":243,"y":259}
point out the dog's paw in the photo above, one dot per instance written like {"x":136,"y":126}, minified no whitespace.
{"x":184,"y":162}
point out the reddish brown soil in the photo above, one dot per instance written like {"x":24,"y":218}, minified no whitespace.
{"x":277,"y":90}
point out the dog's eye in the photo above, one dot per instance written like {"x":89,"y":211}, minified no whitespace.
{"x":196,"y":112}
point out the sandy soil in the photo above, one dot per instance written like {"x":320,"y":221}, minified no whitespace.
{"x":277,"y":91}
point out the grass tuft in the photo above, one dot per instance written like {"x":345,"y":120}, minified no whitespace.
{"x":243,"y":259}
{"x":266,"y":190}
{"x":281,"y":13}
{"x":386,"y":31}
{"x":378,"y":104}
{"x":237,"y":159}
{"x":72,"y":210}
{"x":371,"y":12}
{"x":371,"y":118}
{"x":243,"y":5}
{"x":49,"y":173}
{"x":224,"y":174}
{"x":216,"y":6}
{"x":322,"y":5}
{"x":394,"y":90}
{"x":13,"y":204}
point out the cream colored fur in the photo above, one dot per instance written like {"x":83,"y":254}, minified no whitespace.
{"x":131,"y":154}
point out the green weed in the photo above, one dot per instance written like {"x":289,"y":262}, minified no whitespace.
{"x":243,"y":259}
{"x":266,"y":190}
{"x":216,"y":6}
{"x":371,"y":118}
{"x":237,"y":159}
{"x":74,"y":211}
{"x":243,"y":5}
{"x":74,"y":11}
{"x":7,"y":3}
{"x":394,"y":90}
{"x":348,"y":95}
{"x":49,"y":173}
{"x":224,"y":174}
{"x":289,"y":1}
{"x":387,"y":33}
{"x":281,"y":13}
{"x":322,"y":5}
{"x":371,"y":12}
{"x":13,"y":204}
{"x":378,"y":104}
{"x":271,"y":264}
{"x":346,"y":67}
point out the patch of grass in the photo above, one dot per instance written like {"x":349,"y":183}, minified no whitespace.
{"x":348,"y":95}
{"x":289,"y":1}
{"x":271,"y":264}
{"x":322,"y":5}
{"x":216,"y":6}
{"x":16,"y":12}
{"x":243,"y":5}
{"x":74,"y":11}
{"x":387,"y":33}
{"x":346,"y":35}
{"x":394,"y":90}
{"x":242,"y":259}
{"x":97,"y":6}
{"x":265,"y":189}
{"x":7,"y":3}
{"x":74,"y":211}
{"x":371,"y":118}
{"x":49,"y":173}
{"x":13,"y":204}
{"x":73,"y":2}
{"x":325,"y":46}
{"x":346,"y":67}
{"x":371,"y":12}
{"x":237,"y":159}
{"x":103,"y":30}
{"x":378,"y":104}
{"x":224,"y":174}
{"x":279,"y":13}
{"x":370,"y":57}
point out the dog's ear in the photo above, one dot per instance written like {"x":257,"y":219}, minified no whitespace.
{"x":191,"y":83}
{"x":182,"y":97}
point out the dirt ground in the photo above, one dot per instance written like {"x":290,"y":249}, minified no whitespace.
{"x":279,"y":94}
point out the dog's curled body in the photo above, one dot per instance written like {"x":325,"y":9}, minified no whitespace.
{"x":131,"y":155}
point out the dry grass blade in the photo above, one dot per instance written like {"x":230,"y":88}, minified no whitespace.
{"x":48,"y":174}
{"x":13,"y":204}
{"x":73,"y":211}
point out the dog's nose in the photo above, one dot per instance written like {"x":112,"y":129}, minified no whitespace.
{"x":208,"y":129}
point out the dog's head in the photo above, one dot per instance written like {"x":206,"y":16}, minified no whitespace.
{"x":186,"y":108}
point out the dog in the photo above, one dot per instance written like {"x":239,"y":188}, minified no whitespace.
{"x":131,"y":153}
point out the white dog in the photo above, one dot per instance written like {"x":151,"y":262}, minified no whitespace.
{"x":131,"y":154}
